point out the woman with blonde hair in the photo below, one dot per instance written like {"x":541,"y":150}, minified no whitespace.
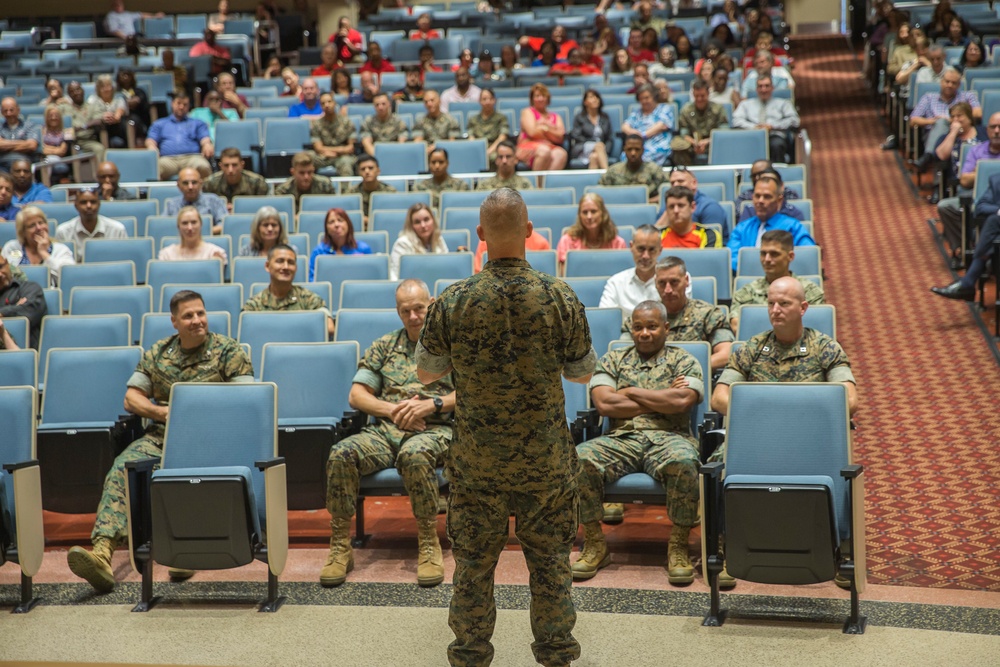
{"x":34,"y":247}
{"x":192,"y":245}
{"x":266,"y":231}
{"x":420,"y":235}
{"x":542,"y":133}
{"x":593,"y":229}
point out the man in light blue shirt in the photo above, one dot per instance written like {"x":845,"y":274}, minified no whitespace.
{"x":26,"y":190}
{"x":309,"y":106}
{"x":180,"y":140}
{"x":189,"y":182}
{"x":767,"y":200}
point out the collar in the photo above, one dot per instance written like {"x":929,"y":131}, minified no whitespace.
{"x":504,"y":262}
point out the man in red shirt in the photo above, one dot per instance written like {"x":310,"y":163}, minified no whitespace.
{"x":375,"y":61}
{"x":347,"y":41}
{"x":574,"y":67}
{"x":680,"y":230}
{"x":221,"y":58}
{"x":328,"y":56}
{"x":635,"y":50}
{"x":587,"y":53}
{"x":424,"y":30}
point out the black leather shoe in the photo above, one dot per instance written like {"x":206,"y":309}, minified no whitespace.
{"x":891,"y":143}
{"x":955,"y":291}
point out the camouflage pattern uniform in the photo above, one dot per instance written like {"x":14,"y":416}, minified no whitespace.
{"x":389,"y":130}
{"x":660,"y":445}
{"x":697,"y":320}
{"x":509,"y":332}
{"x":517,"y":182}
{"x":250,"y":184}
{"x":87,"y":137}
{"x":756,"y":293}
{"x":298,"y":298}
{"x":815,"y":357}
{"x":429,"y":185}
{"x":691,"y":123}
{"x":433,"y":130}
{"x":478,"y":127}
{"x":321,"y":185}
{"x":651,"y":175}
{"x":366,"y":196}
{"x":219,"y":359}
{"x":390,"y":370}
{"x":338,"y":133}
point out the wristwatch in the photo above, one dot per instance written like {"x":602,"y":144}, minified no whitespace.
{"x":438,"y":405}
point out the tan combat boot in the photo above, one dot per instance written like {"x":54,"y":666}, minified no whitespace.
{"x":94,"y":566}
{"x":679,"y":568}
{"x":614,"y":513}
{"x":430,"y":560}
{"x":340,"y":561}
{"x":595,"y":553}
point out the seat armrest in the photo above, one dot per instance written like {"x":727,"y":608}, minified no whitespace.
{"x":142,"y":465}
{"x":351,"y":423}
{"x":269,"y":463}
{"x":126,"y":430}
{"x":20,"y":465}
{"x":852,"y":471}
{"x":713,"y":470}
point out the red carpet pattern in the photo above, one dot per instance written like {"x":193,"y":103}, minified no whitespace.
{"x":928,"y":424}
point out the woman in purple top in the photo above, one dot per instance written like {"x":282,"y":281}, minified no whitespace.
{"x":338,"y":239}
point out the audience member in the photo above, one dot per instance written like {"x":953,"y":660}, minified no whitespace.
{"x":19,"y":139}
{"x":107,"y":179}
{"x":19,"y":297}
{"x":375,"y":62}
{"x":697,"y":120}
{"x":766,"y":169}
{"x":191,"y":244}
{"x":309,"y":107}
{"x":332,"y":136}
{"x":627,"y":289}
{"x":488,"y":124}
{"x":26,"y":189}
{"x":383,"y":125}
{"x":169,"y":66}
{"x":292,"y":86}
{"x":506,"y":176}
{"x":440,"y":179}
{"x":592,"y":229}
{"x":282,"y":294}
{"x":266,"y":232}
{"x":180,"y":140}
{"x":413,"y":91}
{"x":722,"y":92}
{"x":86,"y":119}
{"x":574,"y":66}
{"x":340,"y":83}
{"x":767,"y":199}
{"x":706,"y":210}
{"x":558,"y":37}
{"x":304,"y":180}
{"x":54,"y":93}
{"x":328,"y":61}
{"x":55,"y":145}
{"x":232,"y":180}
{"x":213,"y":112}
{"x":221,"y":58}
{"x":120,"y":23}
{"x":435,"y":125}
{"x":485,"y":67}
{"x":347,"y":40}
{"x":591,"y":137}
{"x":190,"y":182}
{"x":89,"y":224}
{"x":508,"y":61}
{"x":764,"y":66}
{"x":338,"y":239}
{"x":34,"y":247}
{"x":369,"y":172}
{"x":987,"y":206}
{"x":217,"y":21}
{"x":225,"y":83}
{"x":420,"y":235}
{"x":679,"y":228}
{"x":427,"y":64}
{"x":621,"y":62}
{"x":424,"y":31}
{"x":8,"y":209}
{"x":634,"y":171}
{"x":932,"y":110}
{"x":653,"y":122}
{"x":774,"y":114}
{"x":112,"y":108}
{"x":136,"y":101}
{"x":463,"y":90}
{"x":542,"y":132}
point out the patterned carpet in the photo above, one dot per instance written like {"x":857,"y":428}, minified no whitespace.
{"x":928,"y":427}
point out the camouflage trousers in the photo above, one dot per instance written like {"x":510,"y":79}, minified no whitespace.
{"x":478,"y":527}
{"x":112,"y":512}
{"x":669,"y":458}
{"x":415,"y":455}
{"x":344,"y":164}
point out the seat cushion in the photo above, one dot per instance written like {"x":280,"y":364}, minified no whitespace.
{"x":223,"y":471}
{"x":389,"y":480}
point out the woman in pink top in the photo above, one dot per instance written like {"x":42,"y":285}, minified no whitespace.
{"x":594,"y":229}
{"x":192,"y":245}
{"x":542,"y":133}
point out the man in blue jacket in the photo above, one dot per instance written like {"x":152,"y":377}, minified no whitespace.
{"x":767,"y":199}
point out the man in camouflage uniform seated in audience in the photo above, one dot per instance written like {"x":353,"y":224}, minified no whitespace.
{"x":440,"y":179}
{"x":633,"y":171}
{"x":648,"y":391}
{"x":194,"y":354}
{"x":232,"y":180}
{"x":412,"y":432}
{"x":512,"y":453}
{"x":689,"y":319}
{"x":282,"y":293}
{"x":332,"y":136}
{"x":369,"y":172}
{"x":382,"y":126}
{"x":87,"y":121}
{"x":494,"y":129}
{"x":776,"y":255}
{"x":304,"y":180}
{"x":506,"y":176}
{"x":435,"y":125}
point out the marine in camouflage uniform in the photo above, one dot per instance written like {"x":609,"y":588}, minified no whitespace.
{"x":697,"y":320}
{"x":651,"y":175}
{"x":218,"y":359}
{"x":489,"y":129}
{"x":435,"y":188}
{"x":83,"y":117}
{"x":337,"y":133}
{"x":388,"y":130}
{"x":509,"y":332}
{"x":433,"y":130}
{"x":366,"y":195}
{"x":697,"y":125}
{"x":755,"y":293}
{"x":515,"y":182}
{"x":298,"y":298}
{"x":321,"y":185}
{"x":250,"y":184}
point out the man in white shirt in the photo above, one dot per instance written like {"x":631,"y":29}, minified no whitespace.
{"x":627,"y":289}
{"x":462,"y":91}
{"x":774,"y":114}
{"x":89,"y":224}
{"x":763,"y":65}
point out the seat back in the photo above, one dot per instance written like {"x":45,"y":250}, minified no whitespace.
{"x":106,"y":370}
{"x":96,"y":274}
{"x":715,"y":262}
{"x":401,"y":159}
{"x":365,"y":325}
{"x":157,"y":326}
{"x":17,"y":414}
{"x":18,"y":328}
{"x":433,"y":267}
{"x":313,"y":379}
{"x":808,"y":261}
{"x":467,"y":156}
{"x":553,"y":197}
{"x":135,"y":300}
{"x":139,"y":164}
{"x":258,"y":328}
{"x":82,"y":331}
{"x":605,"y":327}
{"x":139,"y":251}
{"x":18,"y":368}
{"x":251,"y":204}
{"x":192,"y":272}
{"x":335,"y":269}
{"x":620,"y":194}
{"x":754,"y":320}
{"x":244,"y":135}
{"x":250,"y":270}
{"x":588,"y":290}
{"x":368,"y":294}
{"x":597,"y":263}
{"x":228,"y":297}
{"x":737,"y":146}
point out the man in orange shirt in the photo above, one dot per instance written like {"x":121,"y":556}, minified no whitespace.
{"x":679,"y":230}
{"x":575,"y":66}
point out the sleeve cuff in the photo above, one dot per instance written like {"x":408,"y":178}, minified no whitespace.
{"x":730,"y":376}
{"x":242,"y":378}
{"x":840,"y":374}
{"x":141,"y":382}
{"x":582,"y":367}
{"x":369,"y":378}
{"x":697,"y":384}
{"x":431,"y":362}
{"x":602,"y":380}
{"x":722,"y":336}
